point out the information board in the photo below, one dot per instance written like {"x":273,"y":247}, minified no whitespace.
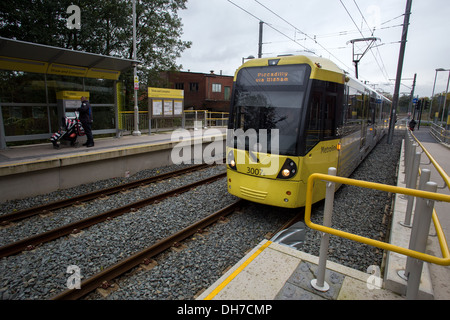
{"x":157,"y":108}
{"x":167,"y":103}
{"x":168,"y":108}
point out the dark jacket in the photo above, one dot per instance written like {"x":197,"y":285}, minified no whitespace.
{"x":85,"y":112}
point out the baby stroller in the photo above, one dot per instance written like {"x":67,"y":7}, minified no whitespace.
{"x":72,"y":128}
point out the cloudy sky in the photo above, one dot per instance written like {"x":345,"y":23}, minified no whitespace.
{"x":225,"y":31}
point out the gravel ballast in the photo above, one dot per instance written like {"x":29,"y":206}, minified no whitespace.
{"x":361,"y":211}
{"x":42,"y":273}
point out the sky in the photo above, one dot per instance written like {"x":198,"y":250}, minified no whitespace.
{"x":225,"y":31}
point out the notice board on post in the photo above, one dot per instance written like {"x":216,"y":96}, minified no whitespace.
{"x":164,"y":104}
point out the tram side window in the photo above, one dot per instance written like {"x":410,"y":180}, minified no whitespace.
{"x":321,"y":121}
{"x":359,"y":106}
{"x":373,"y":113}
{"x":366,"y":107}
{"x":313,"y":129}
{"x":331,"y":110}
{"x":350,"y":112}
{"x":329,"y":117}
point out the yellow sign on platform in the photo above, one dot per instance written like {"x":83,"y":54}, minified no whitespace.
{"x":65,"y":70}
{"x":165,"y":93}
{"x":71,"y":95}
{"x":16,"y":64}
{"x":102,"y":74}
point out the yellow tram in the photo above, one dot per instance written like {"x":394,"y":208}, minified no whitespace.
{"x":292,"y":116}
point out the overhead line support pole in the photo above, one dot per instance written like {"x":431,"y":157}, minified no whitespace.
{"x":136,"y":131}
{"x":399,"y":71}
{"x":260,"y":39}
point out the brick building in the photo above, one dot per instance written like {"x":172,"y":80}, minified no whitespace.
{"x":202,"y":91}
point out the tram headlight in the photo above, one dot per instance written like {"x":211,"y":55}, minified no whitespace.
{"x":230,"y":160}
{"x":288,"y":170}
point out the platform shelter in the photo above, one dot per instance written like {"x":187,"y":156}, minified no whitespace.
{"x":33,"y":77}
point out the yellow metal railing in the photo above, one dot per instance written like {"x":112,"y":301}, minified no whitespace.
{"x":439,"y":169}
{"x":207,"y":118}
{"x":445,"y":260}
{"x":126,"y":120}
{"x":446,"y":178}
{"x":211,"y":118}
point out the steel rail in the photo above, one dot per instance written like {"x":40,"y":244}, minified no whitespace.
{"x":31,"y":242}
{"x":29,"y":212}
{"x":298,"y":217}
{"x":123,"y":266}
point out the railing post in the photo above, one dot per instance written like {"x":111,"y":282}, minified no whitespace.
{"x":195,"y":121}
{"x":320,"y":284}
{"x":409,"y":160}
{"x":412,"y":184}
{"x":183,"y":120}
{"x":406,"y":151}
{"x":424,"y":178}
{"x":409,"y":146}
{"x":423,"y":213}
{"x":404,"y":274}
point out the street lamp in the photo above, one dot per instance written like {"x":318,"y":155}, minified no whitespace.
{"x":434,"y":85}
{"x":445,"y":97}
{"x":136,"y":131}
{"x":248,"y":58}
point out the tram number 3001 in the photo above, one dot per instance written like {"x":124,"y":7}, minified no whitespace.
{"x":255,"y":171}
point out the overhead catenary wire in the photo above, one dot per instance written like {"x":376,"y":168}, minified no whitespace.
{"x":314,"y":38}
{"x":287,"y":36}
{"x":270,"y":26}
{"x":353,"y":31}
{"x":383,"y":68}
{"x":302,"y":32}
{"x":356,"y":25}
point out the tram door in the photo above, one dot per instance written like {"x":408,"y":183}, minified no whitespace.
{"x":322,"y":114}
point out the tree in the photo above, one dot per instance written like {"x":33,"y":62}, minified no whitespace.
{"x":106,"y":28}
{"x":403,"y":103}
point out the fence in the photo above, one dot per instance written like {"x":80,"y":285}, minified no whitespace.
{"x":440,"y":133}
{"x":191,"y":119}
{"x":423,"y":215}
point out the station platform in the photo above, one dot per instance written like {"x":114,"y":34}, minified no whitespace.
{"x":272,"y":271}
{"x":25,"y":167}
{"x":43,"y":152}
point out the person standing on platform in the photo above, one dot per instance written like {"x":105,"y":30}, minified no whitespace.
{"x":86,"y":120}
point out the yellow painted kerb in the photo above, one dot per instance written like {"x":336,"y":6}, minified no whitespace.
{"x":237,"y":271}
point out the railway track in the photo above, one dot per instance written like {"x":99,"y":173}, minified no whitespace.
{"x":143,"y":256}
{"x":104,"y":277}
{"x":48,"y":207}
{"x":30,"y":243}
{"x":40,"y":274}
